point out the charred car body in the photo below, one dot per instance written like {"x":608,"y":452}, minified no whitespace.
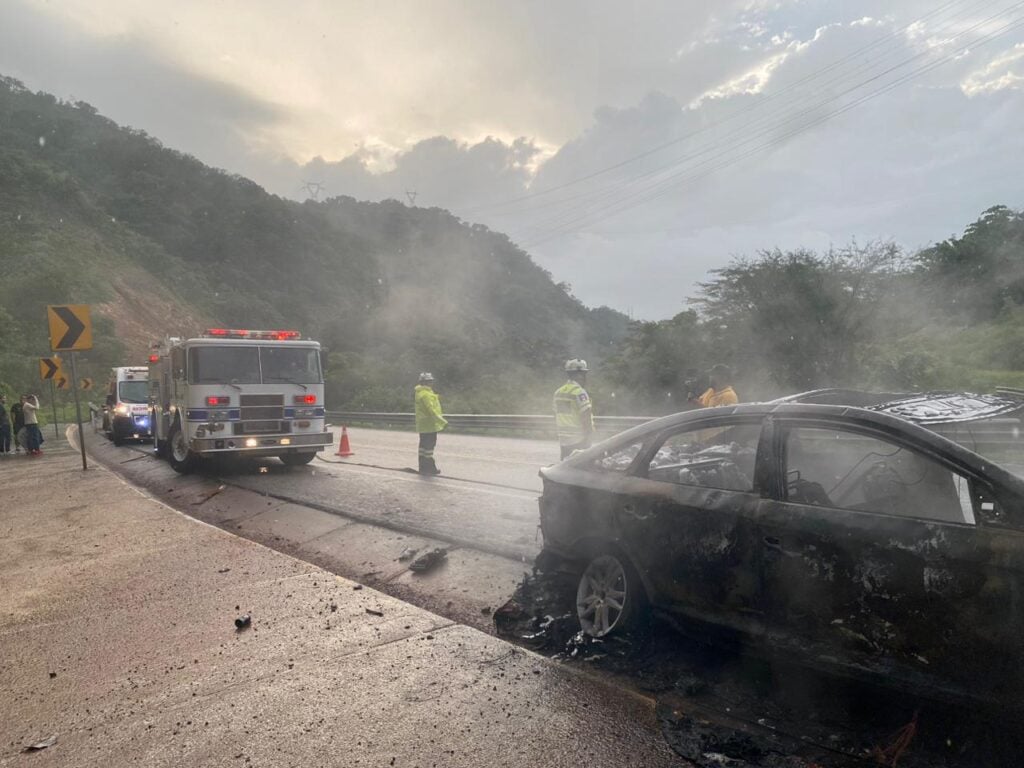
{"x":857,"y":540}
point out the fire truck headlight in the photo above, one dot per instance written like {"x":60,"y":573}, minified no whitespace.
{"x":286,"y":441}
{"x":251,"y":442}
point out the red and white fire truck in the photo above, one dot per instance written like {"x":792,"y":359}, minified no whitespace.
{"x":237,"y":392}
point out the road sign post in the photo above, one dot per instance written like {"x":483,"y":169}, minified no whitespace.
{"x":49,"y":370}
{"x":53,"y":402}
{"x":71,"y":331}
{"x":78,"y":413}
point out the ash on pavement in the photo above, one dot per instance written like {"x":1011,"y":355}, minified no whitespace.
{"x":720,"y":705}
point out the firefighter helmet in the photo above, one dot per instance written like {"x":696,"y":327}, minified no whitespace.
{"x":576,"y":366}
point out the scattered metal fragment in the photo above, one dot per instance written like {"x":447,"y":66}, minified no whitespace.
{"x":41,"y":745}
{"x":357,"y":586}
{"x":486,"y":610}
{"x":407,"y":554}
{"x":334,"y":607}
{"x":223,"y":570}
{"x":374,"y":612}
{"x":429,"y":560}
{"x":243,"y":621}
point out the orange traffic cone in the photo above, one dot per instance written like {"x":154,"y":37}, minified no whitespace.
{"x":344,"y":449}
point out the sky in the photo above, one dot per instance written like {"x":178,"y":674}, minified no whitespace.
{"x":630,"y":147}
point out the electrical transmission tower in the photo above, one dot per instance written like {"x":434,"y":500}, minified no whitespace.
{"x":411,"y":194}
{"x":313,"y":189}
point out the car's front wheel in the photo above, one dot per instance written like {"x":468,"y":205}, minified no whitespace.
{"x":609,"y":597}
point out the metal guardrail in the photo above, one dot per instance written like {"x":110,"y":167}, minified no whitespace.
{"x":980,"y":435}
{"x":472,"y":422}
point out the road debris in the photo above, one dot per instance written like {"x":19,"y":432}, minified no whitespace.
{"x":429,"y":560}
{"x":407,"y":554}
{"x":205,"y":497}
{"x":242,"y":622}
{"x":41,"y":745}
{"x":374,"y":612}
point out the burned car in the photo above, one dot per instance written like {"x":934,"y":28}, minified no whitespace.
{"x":857,"y":539}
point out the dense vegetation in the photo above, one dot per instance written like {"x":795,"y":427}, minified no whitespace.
{"x":948,"y":317}
{"x":91,"y":212}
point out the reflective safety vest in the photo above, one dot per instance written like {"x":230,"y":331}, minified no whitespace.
{"x":716,"y":397}
{"x":428,"y":410}
{"x":572,"y":412}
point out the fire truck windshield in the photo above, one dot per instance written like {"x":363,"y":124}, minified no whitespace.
{"x":253,"y":365}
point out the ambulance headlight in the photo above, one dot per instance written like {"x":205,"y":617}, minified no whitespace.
{"x":251,"y":442}
{"x":122,"y":410}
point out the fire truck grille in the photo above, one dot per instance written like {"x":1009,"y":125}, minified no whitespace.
{"x":261,"y":415}
{"x":260,"y":427}
{"x":262,"y":407}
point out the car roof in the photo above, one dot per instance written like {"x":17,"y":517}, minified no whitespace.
{"x":924,"y":408}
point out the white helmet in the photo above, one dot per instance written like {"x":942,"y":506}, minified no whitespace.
{"x":426,"y":376}
{"x":576,"y":366}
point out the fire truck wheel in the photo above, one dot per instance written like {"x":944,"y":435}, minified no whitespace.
{"x":297,"y":459}
{"x":179,"y":455}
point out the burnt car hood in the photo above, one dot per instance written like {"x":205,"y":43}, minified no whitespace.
{"x":926,"y":409}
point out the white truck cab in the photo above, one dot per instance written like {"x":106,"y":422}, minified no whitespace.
{"x":237,"y":392}
{"x":126,"y":412}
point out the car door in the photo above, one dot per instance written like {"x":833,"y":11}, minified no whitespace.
{"x":873,"y":555}
{"x":688,"y":521}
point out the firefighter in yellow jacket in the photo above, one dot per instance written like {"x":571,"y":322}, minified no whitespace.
{"x":720,"y":392}
{"x":574,"y":415}
{"x":429,"y":421}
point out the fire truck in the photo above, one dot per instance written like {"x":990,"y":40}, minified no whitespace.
{"x":237,"y":393}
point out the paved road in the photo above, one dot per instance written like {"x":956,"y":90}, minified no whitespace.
{"x":500,"y":460}
{"x":356,"y":516}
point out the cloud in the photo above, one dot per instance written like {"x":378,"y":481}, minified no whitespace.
{"x":134,"y":85}
{"x":631,"y":152}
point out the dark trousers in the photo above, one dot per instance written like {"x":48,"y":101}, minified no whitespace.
{"x":34,"y":436}
{"x":5,"y":438}
{"x":428,"y":440}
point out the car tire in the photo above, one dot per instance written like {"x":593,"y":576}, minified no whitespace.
{"x":609,"y":597}
{"x":116,"y":436}
{"x":297,"y":459}
{"x":179,"y":455}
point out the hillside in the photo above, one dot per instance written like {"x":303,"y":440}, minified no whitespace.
{"x":161,"y":244}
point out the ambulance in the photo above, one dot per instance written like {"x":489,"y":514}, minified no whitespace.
{"x":235,"y":392}
{"x":126,"y":413}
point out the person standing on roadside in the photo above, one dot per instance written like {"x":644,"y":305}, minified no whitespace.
{"x":429,"y":421}
{"x":5,"y":427}
{"x":34,"y":436}
{"x":17,"y":423}
{"x":574,"y":416}
{"x":720,"y":392}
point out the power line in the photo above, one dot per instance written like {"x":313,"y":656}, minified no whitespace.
{"x":703,"y":129}
{"x":559,"y":226}
{"x":612,"y":191}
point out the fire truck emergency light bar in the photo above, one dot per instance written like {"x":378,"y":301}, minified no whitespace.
{"x":226,"y":333}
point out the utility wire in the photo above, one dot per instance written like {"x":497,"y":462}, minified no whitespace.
{"x":729,"y":118}
{"x":658,"y":188}
{"x":612,"y":191}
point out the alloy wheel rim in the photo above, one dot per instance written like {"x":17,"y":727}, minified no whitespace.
{"x":601,"y":596}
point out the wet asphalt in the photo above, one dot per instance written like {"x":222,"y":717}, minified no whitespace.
{"x":117,"y":624}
